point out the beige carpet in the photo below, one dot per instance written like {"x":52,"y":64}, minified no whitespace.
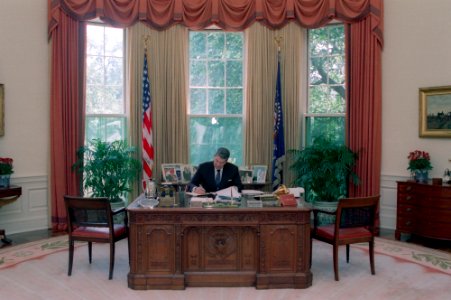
{"x":403,"y":271}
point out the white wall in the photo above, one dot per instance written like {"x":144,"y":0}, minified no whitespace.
{"x":416,"y":54}
{"x":24,"y":70}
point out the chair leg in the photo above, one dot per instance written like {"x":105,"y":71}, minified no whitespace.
{"x":111,"y":260}
{"x":347,"y":253}
{"x":373,"y":272}
{"x":90,"y":251}
{"x":336,"y":262}
{"x":71,"y":257}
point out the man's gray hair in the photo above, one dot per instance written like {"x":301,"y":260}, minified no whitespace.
{"x":223,"y":153}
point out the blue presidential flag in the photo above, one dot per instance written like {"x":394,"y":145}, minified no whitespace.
{"x":279,"y":144}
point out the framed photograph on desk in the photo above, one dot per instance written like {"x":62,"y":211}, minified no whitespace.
{"x":259,"y":173}
{"x":171,"y":172}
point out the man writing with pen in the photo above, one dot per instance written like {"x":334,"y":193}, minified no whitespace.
{"x":216,"y":175}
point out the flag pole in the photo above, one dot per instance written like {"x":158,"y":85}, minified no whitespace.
{"x":278,"y":134}
{"x":147,"y":130}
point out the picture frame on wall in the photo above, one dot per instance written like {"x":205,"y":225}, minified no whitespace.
{"x":435,"y":112}
{"x":2,"y":109}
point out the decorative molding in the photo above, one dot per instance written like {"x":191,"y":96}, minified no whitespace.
{"x":31,"y":211}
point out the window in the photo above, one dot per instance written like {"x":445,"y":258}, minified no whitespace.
{"x":215,"y":94}
{"x":105,"y":101}
{"x":326,"y":103}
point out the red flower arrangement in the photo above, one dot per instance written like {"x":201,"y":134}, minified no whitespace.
{"x":419,"y":160}
{"x":6,"y":166}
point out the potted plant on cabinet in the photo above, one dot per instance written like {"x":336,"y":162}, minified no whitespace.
{"x":6,"y":169}
{"x":324,"y":169}
{"x":109,"y":169}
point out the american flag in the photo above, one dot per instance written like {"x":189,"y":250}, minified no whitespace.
{"x":147,"y":136}
{"x":279,"y":141}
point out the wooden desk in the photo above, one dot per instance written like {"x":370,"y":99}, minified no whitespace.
{"x":171,"y":248}
{"x":423,"y":209}
{"x":8,"y":195}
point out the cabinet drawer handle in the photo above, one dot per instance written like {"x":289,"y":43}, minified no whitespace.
{"x":408,"y":188}
{"x":408,"y":209}
{"x":408,"y":198}
{"x":408,"y":223}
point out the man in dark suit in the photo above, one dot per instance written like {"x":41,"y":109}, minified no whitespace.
{"x":216,"y":175}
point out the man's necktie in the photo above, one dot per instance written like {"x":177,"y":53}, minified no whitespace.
{"x":218,"y":178}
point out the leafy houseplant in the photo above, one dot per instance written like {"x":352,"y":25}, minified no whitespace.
{"x":108,"y":169}
{"x":323,"y":169}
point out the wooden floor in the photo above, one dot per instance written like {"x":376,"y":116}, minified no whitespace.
{"x":25,"y":237}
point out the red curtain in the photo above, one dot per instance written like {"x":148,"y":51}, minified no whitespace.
{"x":227,"y":14}
{"x":364,"y":48}
{"x":66,"y":115}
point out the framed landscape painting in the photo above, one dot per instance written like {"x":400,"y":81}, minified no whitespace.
{"x":435,"y":111}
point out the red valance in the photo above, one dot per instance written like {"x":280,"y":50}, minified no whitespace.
{"x":230,"y":15}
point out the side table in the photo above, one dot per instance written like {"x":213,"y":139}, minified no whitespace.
{"x":7,"y":196}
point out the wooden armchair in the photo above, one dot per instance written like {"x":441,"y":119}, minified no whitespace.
{"x":354,"y":223}
{"x":91,"y":220}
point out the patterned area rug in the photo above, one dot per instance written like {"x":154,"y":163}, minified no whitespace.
{"x":10,"y":256}
{"x":434,"y":260}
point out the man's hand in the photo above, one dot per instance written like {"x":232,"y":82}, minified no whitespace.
{"x":199,"y":190}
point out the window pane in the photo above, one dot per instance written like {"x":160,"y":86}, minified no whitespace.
{"x":216,"y":73}
{"x":198,"y":101}
{"x":198,"y":74}
{"x":216,"y":101}
{"x":207,"y":134}
{"x":95,"y":40}
{"x":197,"y":45}
{"x":234,"y":46}
{"x":328,"y":127}
{"x":234,"y":73}
{"x":215,"y":45}
{"x":114,"y":42}
{"x":234,"y":101}
{"x":105,"y":128}
{"x":95,"y":72}
{"x":113,"y":70}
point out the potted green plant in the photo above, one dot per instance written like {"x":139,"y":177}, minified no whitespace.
{"x":324,"y":169}
{"x":109,"y":169}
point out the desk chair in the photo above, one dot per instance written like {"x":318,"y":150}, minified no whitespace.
{"x":91,"y":220}
{"x":354,"y":223}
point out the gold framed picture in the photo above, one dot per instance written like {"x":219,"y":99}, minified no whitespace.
{"x":435,"y":111}
{"x":2,"y":109}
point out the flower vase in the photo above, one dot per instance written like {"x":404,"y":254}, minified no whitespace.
{"x":421,"y":176}
{"x":5,"y":180}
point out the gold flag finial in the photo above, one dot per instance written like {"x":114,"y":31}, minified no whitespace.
{"x":278,"y":41}
{"x":146,"y":39}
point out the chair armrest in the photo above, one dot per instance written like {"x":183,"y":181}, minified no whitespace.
{"x":118,"y":210}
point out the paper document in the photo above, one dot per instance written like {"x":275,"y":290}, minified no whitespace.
{"x":230,"y":192}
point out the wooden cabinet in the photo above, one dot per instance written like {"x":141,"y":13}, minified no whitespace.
{"x":423,"y":209}
{"x":171,"y":248}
